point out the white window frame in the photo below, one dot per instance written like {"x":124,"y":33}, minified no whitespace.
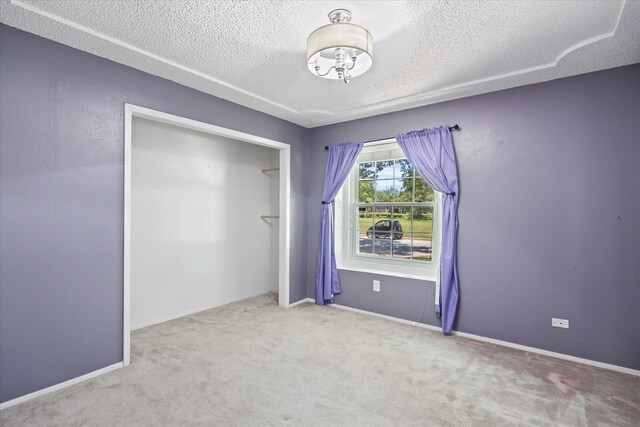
{"x":346,"y":219}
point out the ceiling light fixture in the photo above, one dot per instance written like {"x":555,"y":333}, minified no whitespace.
{"x":339,"y":50}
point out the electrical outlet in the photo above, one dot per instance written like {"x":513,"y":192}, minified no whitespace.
{"x":560,"y":323}
{"x":376,"y":286}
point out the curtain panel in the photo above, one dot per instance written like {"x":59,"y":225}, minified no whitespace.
{"x":340,"y":161}
{"x":430,"y":151}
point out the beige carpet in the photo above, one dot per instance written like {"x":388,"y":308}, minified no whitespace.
{"x":253,"y":364}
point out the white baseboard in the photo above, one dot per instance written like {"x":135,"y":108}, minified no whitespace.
{"x":497,"y":342}
{"x":118,"y":365}
{"x":198,"y":310}
{"x":60,"y":386}
{"x":110,"y":368}
{"x":302,"y":301}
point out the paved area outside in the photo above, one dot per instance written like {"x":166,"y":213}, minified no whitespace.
{"x":402,"y":248}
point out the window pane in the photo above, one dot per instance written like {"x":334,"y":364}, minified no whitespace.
{"x":397,"y":185}
{"x":366,"y":192}
{"x":365,"y":220}
{"x":422,"y":220}
{"x":367,"y":170}
{"x":424,"y":193}
{"x":421,"y":243}
{"x":382,"y":212}
{"x":403,"y":169}
{"x":385,"y":169}
{"x":400,"y":192}
{"x":382,"y":247}
{"x":365,"y":245}
{"x":402,"y":214}
{"x":404,"y":189}
{"x":381,"y":229}
{"x":365,"y":228}
{"x":402,"y":248}
{"x":384,"y":190}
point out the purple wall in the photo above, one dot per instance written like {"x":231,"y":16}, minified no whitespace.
{"x":549,"y":214}
{"x":549,"y":209}
{"x":61,"y":221}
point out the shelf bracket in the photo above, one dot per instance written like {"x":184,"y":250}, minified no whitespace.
{"x":269,"y":216}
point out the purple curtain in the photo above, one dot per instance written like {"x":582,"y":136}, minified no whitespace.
{"x":339,"y":163}
{"x":430,"y":151}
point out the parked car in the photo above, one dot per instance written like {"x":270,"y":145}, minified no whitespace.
{"x":386,"y":228}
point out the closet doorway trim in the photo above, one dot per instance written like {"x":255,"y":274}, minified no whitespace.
{"x":131,"y":111}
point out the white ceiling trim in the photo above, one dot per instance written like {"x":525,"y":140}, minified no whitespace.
{"x":136,"y":49}
{"x":593,"y":53}
{"x":423,"y":98}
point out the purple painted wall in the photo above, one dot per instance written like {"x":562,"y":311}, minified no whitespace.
{"x":549,"y":209}
{"x":61,"y":202}
{"x":549,"y":214}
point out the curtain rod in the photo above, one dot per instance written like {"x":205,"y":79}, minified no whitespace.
{"x":451,"y":128}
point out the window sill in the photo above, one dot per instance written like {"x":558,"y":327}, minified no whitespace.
{"x":429,"y":276}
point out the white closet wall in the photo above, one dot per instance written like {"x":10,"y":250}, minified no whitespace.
{"x":197,"y":240}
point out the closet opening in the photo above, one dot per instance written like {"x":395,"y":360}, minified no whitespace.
{"x":206,"y":218}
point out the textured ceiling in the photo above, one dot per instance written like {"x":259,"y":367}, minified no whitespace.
{"x":253,"y":52}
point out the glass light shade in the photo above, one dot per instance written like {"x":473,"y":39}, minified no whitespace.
{"x":322,"y":43}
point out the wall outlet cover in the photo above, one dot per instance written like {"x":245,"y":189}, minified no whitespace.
{"x":560,"y":323}
{"x":376,"y":286}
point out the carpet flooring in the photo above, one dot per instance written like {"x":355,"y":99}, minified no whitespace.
{"x":251,"y":363}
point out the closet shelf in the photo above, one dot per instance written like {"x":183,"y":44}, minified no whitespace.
{"x":269,"y":170}
{"x":269,"y":216}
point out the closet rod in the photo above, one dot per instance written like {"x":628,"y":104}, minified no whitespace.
{"x":451,"y":128}
{"x":269,"y":216}
{"x":270,"y":170}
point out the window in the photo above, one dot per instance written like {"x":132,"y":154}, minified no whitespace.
{"x":386,"y":216}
